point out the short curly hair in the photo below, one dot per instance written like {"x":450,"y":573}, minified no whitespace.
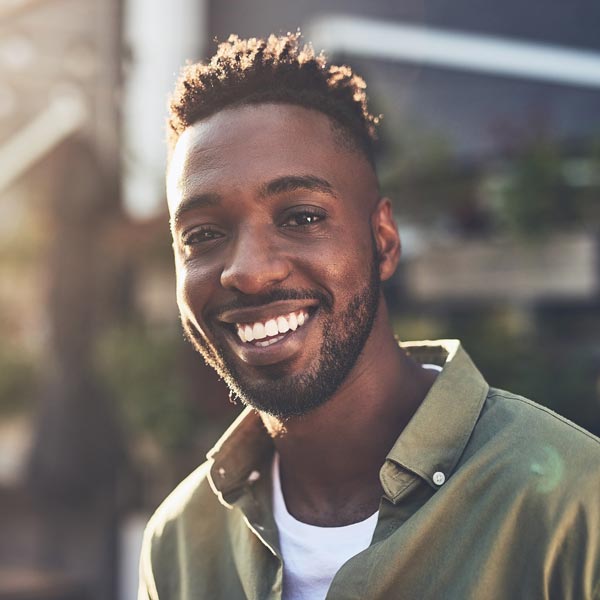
{"x":278,"y":69}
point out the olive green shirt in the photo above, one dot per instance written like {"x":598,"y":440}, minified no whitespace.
{"x":486,"y":495}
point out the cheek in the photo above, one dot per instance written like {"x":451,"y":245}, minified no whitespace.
{"x":193,"y":289}
{"x":343,"y":265}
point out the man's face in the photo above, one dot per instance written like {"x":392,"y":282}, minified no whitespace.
{"x":277,"y":268}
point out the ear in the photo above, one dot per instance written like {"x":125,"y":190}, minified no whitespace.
{"x":385,"y":233}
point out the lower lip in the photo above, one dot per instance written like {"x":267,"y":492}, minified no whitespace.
{"x":284,"y":349}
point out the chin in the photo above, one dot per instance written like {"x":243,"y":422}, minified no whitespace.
{"x":285,"y":395}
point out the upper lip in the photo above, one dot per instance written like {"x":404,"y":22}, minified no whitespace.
{"x":266,"y":311}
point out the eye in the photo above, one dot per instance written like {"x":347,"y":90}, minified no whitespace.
{"x":303,"y":217}
{"x":201,"y":235}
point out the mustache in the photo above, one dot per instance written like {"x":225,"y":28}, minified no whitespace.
{"x":325,"y":300}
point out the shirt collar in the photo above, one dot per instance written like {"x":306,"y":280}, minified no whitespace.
{"x":237,"y":456}
{"x":432,"y":442}
{"x":435,"y":438}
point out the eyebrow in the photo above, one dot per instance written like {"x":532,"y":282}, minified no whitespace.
{"x":193,"y":203}
{"x":293,"y":183}
{"x":280,"y":185}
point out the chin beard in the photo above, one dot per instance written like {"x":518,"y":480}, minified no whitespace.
{"x":285,"y":396}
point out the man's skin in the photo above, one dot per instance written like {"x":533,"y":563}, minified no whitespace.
{"x":240,"y":240}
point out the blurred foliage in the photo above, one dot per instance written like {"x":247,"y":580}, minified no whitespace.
{"x":17,"y":382}
{"x":145,"y":374}
{"x":547,"y":190}
{"x":419,"y":174}
{"x":540,"y":186}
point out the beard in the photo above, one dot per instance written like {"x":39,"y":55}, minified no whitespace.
{"x":285,"y":396}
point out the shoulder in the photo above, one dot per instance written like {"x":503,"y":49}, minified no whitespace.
{"x":192,"y":497}
{"x":189,"y":515}
{"x":544,"y":475}
{"x":534,"y":448}
{"x":536,"y":423}
{"x":187,"y":527}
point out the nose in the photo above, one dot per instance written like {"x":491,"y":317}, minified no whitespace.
{"x":254,"y":263}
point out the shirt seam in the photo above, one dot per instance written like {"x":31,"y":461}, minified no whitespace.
{"x":546,"y":410}
{"x":403,"y":489}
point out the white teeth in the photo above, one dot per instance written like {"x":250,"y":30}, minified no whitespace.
{"x":259,"y":331}
{"x":268,"y":342}
{"x":282,"y":324}
{"x":271,"y":327}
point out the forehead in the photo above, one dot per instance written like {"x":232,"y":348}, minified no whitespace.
{"x":247,"y":146}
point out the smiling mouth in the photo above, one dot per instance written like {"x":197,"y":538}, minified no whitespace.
{"x":272,"y":330}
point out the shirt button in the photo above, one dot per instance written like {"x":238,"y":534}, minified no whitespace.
{"x":254,"y":476}
{"x":439,"y":478}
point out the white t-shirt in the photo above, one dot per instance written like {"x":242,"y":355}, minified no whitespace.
{"x":313,"y":555}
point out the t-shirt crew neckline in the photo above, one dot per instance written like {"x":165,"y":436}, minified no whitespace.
{"x":295,"y":527}
{"x":312,"y":554}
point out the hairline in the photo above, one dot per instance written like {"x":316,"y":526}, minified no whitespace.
{"x":343,"y":136}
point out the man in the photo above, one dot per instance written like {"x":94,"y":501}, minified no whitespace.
{"x":358,"y":469}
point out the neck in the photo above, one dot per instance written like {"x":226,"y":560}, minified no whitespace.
{"x":330,"y":458}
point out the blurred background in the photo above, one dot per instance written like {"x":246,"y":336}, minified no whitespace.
{"x":490,"y":149}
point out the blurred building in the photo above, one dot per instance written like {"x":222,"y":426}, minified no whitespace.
{"x":493,"y":165}
{"x":60,"y":76}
